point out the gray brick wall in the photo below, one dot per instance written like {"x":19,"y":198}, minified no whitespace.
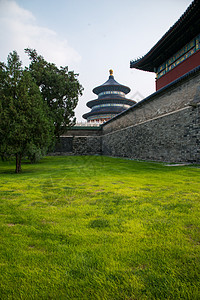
{"x":89,"y":145}
{"x":174,"y":138}
{"x":78,"y":145}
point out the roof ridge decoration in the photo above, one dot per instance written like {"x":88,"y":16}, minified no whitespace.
{"x":111,"y":72}
{"x":111,"y":84}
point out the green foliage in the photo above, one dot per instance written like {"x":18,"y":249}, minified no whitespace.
{"x":36,"y":106}
{"x":34,"y":153}
{"x":60,"y":89}
{"x":99,"y":228}
{"x":25,"y":118}
{"x":8,"y":86}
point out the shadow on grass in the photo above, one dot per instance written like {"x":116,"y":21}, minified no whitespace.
{"x":95,"y":163}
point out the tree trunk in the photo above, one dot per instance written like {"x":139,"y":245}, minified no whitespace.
{"x":18,"y":162}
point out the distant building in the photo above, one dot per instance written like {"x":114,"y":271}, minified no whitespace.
{"x":177,"y":52}
{"x":111,"y":101}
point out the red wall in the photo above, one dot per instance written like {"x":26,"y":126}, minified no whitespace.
{"x":184,"y":67}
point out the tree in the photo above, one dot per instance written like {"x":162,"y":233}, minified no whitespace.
{"x":25,"y":118}
{"x":36,"y":105}
{"x":60,"y":89}
{"x":9,"y":78}
{"x":3,"y":116}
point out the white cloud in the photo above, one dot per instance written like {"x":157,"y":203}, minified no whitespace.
{"x":19,"y":30}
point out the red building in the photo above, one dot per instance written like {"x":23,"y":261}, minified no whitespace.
{"x":177,"y":52}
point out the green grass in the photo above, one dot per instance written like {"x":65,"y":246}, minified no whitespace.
{"x":99,"y":228}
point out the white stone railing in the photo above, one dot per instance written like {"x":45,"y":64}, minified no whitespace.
{"x":88,"y":124}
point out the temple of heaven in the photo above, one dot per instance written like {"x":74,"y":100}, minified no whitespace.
{"x":110,"y":102}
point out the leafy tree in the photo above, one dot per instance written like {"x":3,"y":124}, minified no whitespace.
{"x":9,"y":78}
{"x":60,"y":89}
{"x":36,"y":104}
{"x":25,"y":118}
{"x":3,"y":117}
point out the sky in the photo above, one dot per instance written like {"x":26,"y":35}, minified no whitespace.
{"x":90,"y":37}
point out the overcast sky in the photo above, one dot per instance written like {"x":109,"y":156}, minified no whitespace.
{"x":90,"y":37}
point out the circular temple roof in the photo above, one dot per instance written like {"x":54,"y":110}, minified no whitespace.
{"x":104,"y":110}
{"x":125,"y":101}
{"x":111,"y":99}
{"x":111,"y":85}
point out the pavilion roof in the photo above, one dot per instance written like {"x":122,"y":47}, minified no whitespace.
{"x":111,"y":85}
{"x":109,"y":100}
{"x":181,"y":33}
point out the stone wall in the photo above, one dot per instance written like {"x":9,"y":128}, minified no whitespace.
{"x":79,"y":141}
{"x":88,"y":145}
{"x":163,"y":127}
{"x":82,"y":131}
{"x":174,"y":137}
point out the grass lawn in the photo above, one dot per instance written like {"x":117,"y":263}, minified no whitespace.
{"x":95,"y":227}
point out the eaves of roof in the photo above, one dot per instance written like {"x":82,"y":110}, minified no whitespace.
{"x":186,"y":28}
{"x":108,"y":100}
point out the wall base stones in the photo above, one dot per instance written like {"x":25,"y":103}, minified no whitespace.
{"x":88,"y":145}
{"x":78,"y":145}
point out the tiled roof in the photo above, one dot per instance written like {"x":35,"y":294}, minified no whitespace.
{"x":172,"y":39}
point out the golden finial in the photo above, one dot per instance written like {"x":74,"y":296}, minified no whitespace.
{"x":111,"y":72}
